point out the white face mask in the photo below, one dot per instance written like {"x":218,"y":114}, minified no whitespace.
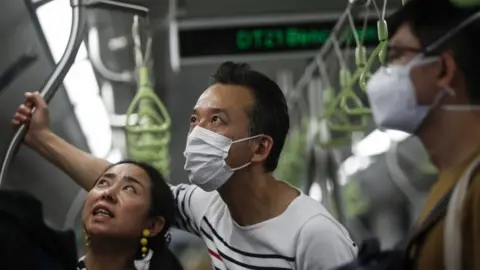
{"x":205,"y":155}
{"x":392,"y":97}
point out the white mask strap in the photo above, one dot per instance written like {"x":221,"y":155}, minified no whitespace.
{"x":461,"y":108}
{"x":446,"y":90}
{"x":422,"y":60}
{"x":248,"y":138}
{"x":438,"y":98}
{"x":458,"y":108}
{"x":242,"y":140}
{"x":241,"y":167}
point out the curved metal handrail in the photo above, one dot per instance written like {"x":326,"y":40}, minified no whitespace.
{"x":54,"y":81}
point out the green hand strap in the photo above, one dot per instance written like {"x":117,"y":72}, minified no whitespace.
{"x":379,"y":53}
{"x":348,"y":94}
{"x":148,"y":136}
{"x":337,"y":119}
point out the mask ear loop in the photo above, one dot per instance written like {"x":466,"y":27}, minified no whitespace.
{"x":422,"y":59}
{"x":438,"y":98}
{"x":242,"y":140}
{"x":241,"y":167}
{"x":427,"y":60}
{"x":450,"y":91}
{"x":440,"y":95}
{"x":248,"y":138}
{"x":458,"y":108}
{"x":427,"y":53}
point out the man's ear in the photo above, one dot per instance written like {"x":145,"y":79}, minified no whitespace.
{"x":156,"y":225}
{"x":263,"y":149}
{"x":449,"y":69}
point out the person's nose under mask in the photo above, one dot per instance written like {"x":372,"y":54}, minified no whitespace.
{"x":205,"y":155}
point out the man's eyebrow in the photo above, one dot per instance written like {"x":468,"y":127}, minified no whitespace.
{"x":213,"y":110}
{"x":219,"y":110}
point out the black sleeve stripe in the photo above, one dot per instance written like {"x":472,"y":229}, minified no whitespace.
{"x":186,"y":200}
{"x":180,"y":215}
{"x":183,"y":220}
{"x":189,"y":225}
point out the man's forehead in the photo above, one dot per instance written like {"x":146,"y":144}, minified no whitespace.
{"x":224,"y":97}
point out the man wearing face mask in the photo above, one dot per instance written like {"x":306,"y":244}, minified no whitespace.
{"x":247,"y":218}
{"x":430,"y":88}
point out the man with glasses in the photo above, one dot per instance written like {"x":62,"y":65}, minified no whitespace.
{"x":431,"y":88}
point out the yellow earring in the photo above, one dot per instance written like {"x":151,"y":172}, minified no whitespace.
{"x":144,"y":242}
{"x":87,"y":238}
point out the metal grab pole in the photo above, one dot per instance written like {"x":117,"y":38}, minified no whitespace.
{"x":56,"y":78}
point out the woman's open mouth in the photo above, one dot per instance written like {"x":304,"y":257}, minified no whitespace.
{"x":102,"y":211}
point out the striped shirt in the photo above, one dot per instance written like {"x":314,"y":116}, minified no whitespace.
{"x":304,"y":237}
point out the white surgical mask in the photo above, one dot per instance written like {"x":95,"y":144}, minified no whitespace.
{"x":392,"y":97}
{"x":392,"y":94}
{"x":205,"y":155}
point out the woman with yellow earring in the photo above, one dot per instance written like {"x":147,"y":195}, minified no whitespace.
{"x":127,"y":215}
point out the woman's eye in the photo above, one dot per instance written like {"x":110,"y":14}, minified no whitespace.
{"x":129,"y":188}
{"x":102,"y":182}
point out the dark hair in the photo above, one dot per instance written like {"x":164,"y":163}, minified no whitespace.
{"x":432,"y":19}
{"x":162,"y":204}
{"x":269,"y":114}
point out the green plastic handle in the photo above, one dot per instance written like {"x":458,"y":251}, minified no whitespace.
{"x":360,"y":56}
{"x":347,"y":94}
{"x":340,"y":122}
{"x":337,"y":108}
{"x":382,"y":29}
{"x":148,"y":137}
{"x":146,"y":103}
{"x":336,"y":118}
{"x":379,"y":53}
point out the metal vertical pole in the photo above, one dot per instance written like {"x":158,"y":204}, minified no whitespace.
{"x":285,"y":80}
{"x":173,"y":36}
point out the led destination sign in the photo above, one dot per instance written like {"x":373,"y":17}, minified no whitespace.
{"x":279,"y":38}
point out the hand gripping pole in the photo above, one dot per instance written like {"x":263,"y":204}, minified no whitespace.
{"x":68,"y":58}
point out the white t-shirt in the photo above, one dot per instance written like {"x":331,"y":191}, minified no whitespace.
{"x":304,"y":237}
